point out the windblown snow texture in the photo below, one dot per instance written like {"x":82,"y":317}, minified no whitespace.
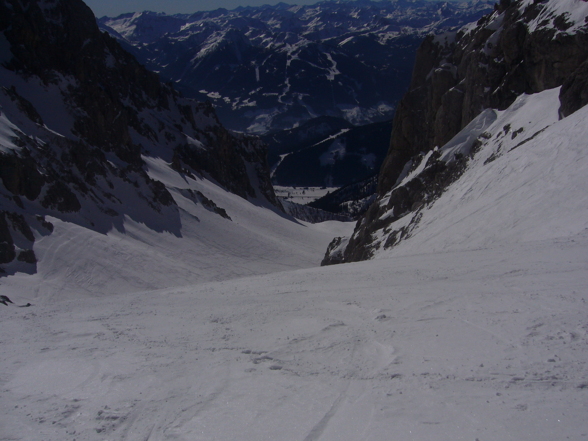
{"x":472,"y":327}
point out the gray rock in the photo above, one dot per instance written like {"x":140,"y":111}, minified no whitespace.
{"x":455,"y":78}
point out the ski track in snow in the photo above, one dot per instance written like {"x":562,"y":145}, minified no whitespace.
{"x":487,"y":344}
{"x":474,"y":328}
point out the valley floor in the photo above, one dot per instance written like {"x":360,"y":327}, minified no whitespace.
{"x":302,"y":195}
{"x":486,"y":344}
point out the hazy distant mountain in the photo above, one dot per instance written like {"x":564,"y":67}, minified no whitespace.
{"x":327,"y":152}
{"x":274,"y":67}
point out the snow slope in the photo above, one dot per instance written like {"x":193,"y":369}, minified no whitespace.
{"x":473,"y":328}
{"x":485,"y":344}
{"x":257,"y":239}
{"x":527,"y":181}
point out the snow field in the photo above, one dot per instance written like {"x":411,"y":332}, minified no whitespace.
{"x":487,"y":344}
{"x":474,"y":328}
{"x":526,"y":183}
{"x":203,"y":246}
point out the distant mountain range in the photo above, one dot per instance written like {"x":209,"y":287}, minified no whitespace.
{"x":306,"y":78}
{"x":275,"y":67}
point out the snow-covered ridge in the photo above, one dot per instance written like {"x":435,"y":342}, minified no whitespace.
{"x":563,"y":16}
{"x":558,"y":17}
{"x":110,"y":181}
{"x":328,"y":17}
{"x":254,"y":63}
{"x":524,"y":183}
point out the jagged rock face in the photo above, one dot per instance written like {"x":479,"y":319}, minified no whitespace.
{"x":78,"y":117}
{"x":236,"y":166}
{"x":523,"y":47}
{"x":434,"y":179}
{"x":574,"y":91}
{"x":56,"y":38}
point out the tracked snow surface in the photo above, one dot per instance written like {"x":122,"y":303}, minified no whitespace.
{"x":475,"y":328}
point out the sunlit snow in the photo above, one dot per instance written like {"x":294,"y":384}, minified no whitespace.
{"x":201,"y":326}
{"x":475,"y":328}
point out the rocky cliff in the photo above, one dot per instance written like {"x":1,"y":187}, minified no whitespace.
{"x":80,"y":119}
{"x":523,"y":47}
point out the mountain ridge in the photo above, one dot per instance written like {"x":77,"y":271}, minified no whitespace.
{"x":523,"y":47}
{"x":81,"y":124}
{"x":274,"y":67}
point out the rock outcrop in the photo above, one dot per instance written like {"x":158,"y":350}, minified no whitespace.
{"x":79,"y":117}
{"x":574,"y":91}
{"x":521,"y":48}
{"x":524,"y":46}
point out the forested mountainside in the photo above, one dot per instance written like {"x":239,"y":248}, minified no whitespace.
{"x":275,"y":67}
{"x":344,"y":157}
{"x":294,"y":72}
{"x":470,"y":93}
